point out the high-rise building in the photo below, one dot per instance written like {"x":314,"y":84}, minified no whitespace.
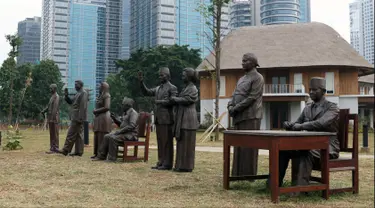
{"x":268,"y":12}
{"x":280,"y":12}
{"x":113,"y":34}
{"x":29,"y":31}
{"x":362,"y":28}
{"x":169,"y":22}
{"x":87,"y":35}
{"x":125,"y":35}
{"x":305,"y":8}
{"x":241,"y":13}
{"x":55,"y":34}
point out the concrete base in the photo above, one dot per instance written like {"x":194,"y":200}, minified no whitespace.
{"x":365,"y":149}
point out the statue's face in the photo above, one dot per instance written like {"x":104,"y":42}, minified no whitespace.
{"x":52,"y":90}
{"x":163,"y":77}
{"x":185,"y":78}
{"x":77,"y":86}
{"x":125,"y":107}
{"x":247,"y":63}
{"x":316,"y":93}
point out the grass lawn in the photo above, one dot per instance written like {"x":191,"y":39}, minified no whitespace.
{"x":30,"y":178}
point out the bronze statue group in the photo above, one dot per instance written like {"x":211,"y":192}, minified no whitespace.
{"x":176,"y":117}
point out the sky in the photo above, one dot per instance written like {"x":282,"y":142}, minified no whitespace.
{"x":334,"y":13}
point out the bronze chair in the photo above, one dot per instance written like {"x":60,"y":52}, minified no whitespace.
{"x":144,"y":131}
{"x":345,"y":164}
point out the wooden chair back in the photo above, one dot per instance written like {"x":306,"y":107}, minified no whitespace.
{"x":343,"y":134}
{"x":144,"y":124}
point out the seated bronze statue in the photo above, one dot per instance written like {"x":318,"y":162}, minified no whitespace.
{"x":319,"y":115}
{"x":128,"y":131}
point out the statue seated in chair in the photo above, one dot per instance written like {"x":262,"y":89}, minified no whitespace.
{"x":128,"y":131}
{"x":319,"y":115}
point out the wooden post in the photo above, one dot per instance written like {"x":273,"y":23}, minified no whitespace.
{"x":365,"y":138}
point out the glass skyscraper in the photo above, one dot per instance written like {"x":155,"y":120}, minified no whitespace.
{"x":87,"y":45}
{"x":362,"y":28}
{"x":29,"y":30}
{"x":305,"y":8}
{"x":169,"y":22}
{"x":280,"y":12}
{"x":125,"y":39}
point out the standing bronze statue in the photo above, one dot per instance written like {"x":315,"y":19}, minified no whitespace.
{"x":186,"y":122}
{"x":246,"y":109}
{"x":320,"y":115}
{"x":128,"y":131}
{"x":77,"y":117}
{"x":53,"y":118}
{"x":102,"y":120}
{"x":163,"y":117}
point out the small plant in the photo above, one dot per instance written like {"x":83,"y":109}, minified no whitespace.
{"x":13,"y":139}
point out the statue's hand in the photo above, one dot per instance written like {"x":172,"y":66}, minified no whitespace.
{"x":297,"y":127}
{"x":231,"y":111}
{"x":287,"y":125}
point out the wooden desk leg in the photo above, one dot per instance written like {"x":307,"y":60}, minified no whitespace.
{"x":325,"y":172}
{"x":226,"y":166}
{"x":274,"y":170}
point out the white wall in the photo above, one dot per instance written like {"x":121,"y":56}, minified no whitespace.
{"x":349,"y":102}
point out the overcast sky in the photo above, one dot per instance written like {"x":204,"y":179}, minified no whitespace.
{"x":334,"y":13}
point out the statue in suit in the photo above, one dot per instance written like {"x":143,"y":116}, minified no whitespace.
{"x":78,"y":116}
{"x":102,"y":121}
{"x":128,"y":131}
{"x":246,"y":109}
{"x":53,"y":118}
{"x":164,"y":117}
{"x":186,"y":122}
{"x":319,"y":115}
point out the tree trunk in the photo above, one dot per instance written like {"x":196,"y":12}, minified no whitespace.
{"x":10,"y":102}
{"x":217,"y":65}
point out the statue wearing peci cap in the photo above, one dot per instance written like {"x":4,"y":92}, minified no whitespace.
{"x":246,"y":109}
{"x":319,"y":115}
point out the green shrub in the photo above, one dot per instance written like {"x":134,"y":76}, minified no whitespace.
{"x":13,"y":139}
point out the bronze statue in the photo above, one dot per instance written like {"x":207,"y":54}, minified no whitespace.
{"x":53,"y":118}
{"x":128,"y":132}
{"x":186,"y":122}
{"x":163,"y":117}
{"x":320,"y":115}
{"x":246,"y":109}
{"x":102,"y":122}
{"x":77,"y":117}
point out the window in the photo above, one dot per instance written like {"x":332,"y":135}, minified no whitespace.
{"x":330,"y":83}
{"x":222,"y":85}
{"x":298,"y":83}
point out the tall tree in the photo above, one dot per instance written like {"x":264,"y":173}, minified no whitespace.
{"x":126,"y":83}
{"x":15,"y":42}
{"x":213,"y":13}
{"x":36,"y":98}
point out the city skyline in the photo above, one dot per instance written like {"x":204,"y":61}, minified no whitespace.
{"x":338,"y":18}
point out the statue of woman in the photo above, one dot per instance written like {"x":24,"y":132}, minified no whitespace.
{"x":102,"y":121}
{"x":186,"y":122}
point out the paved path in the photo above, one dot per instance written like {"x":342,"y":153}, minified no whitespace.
{"x":261,"y":152}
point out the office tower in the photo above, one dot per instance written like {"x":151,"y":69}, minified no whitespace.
{"x":279,"y":12}
{"x":55,"y":34}
{"x":29,"y":31}
{"x":169,"y":22}
{"x":87,"y":45}
{"x":125,"y":35}
{"x":362,"y":28}
{"x":113,"y":34}
{"x":241,"y":13}
{"x":305,"y":9}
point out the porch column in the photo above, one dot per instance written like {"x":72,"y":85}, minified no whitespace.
{"x":371,"y":118}
{"x":361,"y":113}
